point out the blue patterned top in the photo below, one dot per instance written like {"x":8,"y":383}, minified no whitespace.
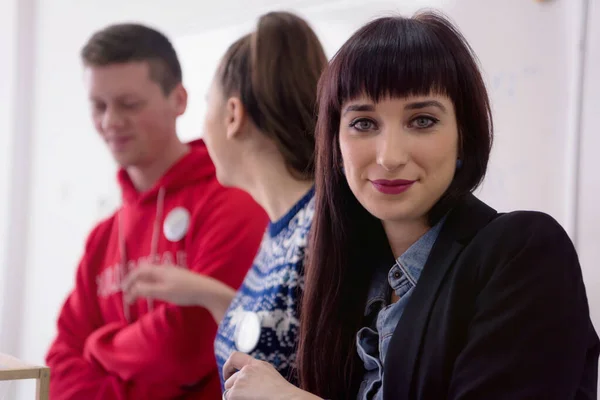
{"x":271,"y":289}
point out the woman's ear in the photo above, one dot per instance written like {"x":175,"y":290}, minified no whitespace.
{"x":235,"y":115}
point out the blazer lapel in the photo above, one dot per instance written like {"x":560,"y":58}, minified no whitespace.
{"x":404,"y":348}
{"x":406,"y":340}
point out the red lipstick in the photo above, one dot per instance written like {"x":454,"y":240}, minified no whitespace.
{"x":396,"y":186}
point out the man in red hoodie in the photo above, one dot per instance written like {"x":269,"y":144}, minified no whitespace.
{"x":174,"y":212}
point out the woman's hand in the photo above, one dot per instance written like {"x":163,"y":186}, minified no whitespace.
{"x":178,"y":286}
{"x":251,"y":379}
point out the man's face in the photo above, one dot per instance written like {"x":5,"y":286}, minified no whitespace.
{"x":131,"y":112}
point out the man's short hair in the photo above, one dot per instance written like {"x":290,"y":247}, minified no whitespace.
{"x":129,"y":42}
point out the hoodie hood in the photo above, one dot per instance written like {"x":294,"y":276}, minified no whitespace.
{"x":195,"y":166}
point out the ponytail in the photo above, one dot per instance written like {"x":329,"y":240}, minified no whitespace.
{"x":275,"y":70}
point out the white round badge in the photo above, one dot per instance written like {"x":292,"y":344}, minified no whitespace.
{"x":176,"y":224}
{"x":247,"y":332}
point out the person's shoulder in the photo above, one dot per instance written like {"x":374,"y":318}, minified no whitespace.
{"x":305,"y":215}
{"x":209,"y":190}
{"x":531,"y":234}
{"x":528,"y":224}
{"x":101,"y":232}
{"x":230,"y":208}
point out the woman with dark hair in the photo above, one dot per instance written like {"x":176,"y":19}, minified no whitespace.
{"x":259,"y":131}
{"x":415,"y":289}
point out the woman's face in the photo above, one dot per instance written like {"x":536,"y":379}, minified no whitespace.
{"x":399,"y":155}
{"x":215,"y":134}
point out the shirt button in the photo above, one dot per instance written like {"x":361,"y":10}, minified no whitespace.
{"x":397,"y":275}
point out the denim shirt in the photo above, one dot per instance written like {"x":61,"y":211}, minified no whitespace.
{"x":373,"y":340}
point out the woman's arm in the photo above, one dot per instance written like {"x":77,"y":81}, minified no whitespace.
{"x":531,"y":335}
{"x":179,"y":286}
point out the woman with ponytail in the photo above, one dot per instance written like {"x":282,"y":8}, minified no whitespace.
{"x":259,"y":131}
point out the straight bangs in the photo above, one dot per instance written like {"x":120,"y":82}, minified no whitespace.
{"x":407,"y":59}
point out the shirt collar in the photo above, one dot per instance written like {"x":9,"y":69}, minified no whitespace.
{"x":412,"y":260}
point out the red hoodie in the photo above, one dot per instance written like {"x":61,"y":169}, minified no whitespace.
{"x":153,"y":350}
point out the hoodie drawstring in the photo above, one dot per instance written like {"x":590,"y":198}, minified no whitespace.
{"x":153,"y":248}
{"x":123,"y":259}
{"x":156,"y":234}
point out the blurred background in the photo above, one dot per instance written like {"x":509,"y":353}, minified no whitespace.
{"x":541,"y":61}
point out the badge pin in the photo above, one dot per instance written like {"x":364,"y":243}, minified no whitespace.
{"x":176,"y":224}
{"x":247,"y":332}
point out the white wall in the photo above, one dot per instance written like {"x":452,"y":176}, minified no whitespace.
{"x":588,"y":232}
{"x":7,"y":71}
{"x":7,"y":47}
{"x":17,"y":27}
{"x":529,"y":52}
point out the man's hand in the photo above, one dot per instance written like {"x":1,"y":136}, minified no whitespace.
{"x":178,"y":286}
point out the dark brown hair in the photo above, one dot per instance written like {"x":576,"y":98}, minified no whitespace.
{"x":123,"y":43}
{"x":395,"y":57}
{"x":275,"y":71}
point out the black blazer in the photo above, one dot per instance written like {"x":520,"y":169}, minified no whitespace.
{"x":499,"y":312}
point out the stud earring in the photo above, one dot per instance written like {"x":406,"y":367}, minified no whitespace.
{"x":459,"y":163}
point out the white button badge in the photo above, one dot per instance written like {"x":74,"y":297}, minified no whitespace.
{"x":176,"y":224}
{"x":247,"y":332}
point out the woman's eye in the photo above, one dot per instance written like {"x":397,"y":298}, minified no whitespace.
{"x":423,"y":122}
{"x":363,"y":124}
